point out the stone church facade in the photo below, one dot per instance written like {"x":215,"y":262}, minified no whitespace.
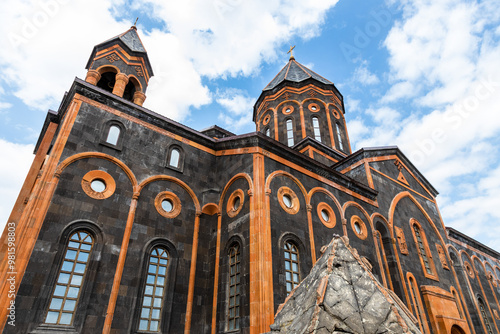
{"x":129,"y":222}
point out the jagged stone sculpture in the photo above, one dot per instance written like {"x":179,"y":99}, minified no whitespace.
{"x":340,"y":295}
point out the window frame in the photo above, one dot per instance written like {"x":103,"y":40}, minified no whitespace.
{"x":180,"y":164}
{"x":168,"y":293}
{"x":292,"y":131}
{"x":42,"y":303}
{"x":483,"y":312}
{"x":340,"y":140}
{"x":238,"y":294}
{"x":105,"y":132}
{"x":427,"y":251}
{"x":318,"y":135}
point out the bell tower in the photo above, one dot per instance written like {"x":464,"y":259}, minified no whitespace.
{"x":121,"y":66}
{"x":305,"y":111}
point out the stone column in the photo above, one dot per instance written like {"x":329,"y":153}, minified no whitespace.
{"x":120,"y":82}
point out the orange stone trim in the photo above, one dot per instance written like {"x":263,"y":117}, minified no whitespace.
{"x":127,"y":59}
{"x":417,"y":301}
{"x":363,"y":234}
{"x":139,"y":98}
{"x":231,"y":210}
{"x":173,"y":198}
{"x":261,"y":268}
{"x":428,"y":253}
{"x":98,"y":175}
{"x":210,"y":209}
{"x":120,"y":83}
{"x":119,"y":266}
{"x":295,"y":207}
{"x":218,"y":247}
{"x":31,"y":220}
{"x":330,"y":223}
{"x":93,"y":77}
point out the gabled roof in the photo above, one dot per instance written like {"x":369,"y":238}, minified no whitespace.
{"x":295,"y":72}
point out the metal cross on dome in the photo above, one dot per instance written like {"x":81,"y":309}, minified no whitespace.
{"x":291,"y":52}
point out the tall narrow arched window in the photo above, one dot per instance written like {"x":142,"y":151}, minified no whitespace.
{"x":154,"y":290}
{"x":417,"y":303}
{"x":289,"y":132}
{"x":292,"y":273}
{"x":268,"y":132}
{"x":113,"y":135}
{"x":423,"y":250}
{"x":339,"y":136}
{"x":233,"y":304}
{"x":66,"y":293}
{"x":484,"y":314}
{"x":317,"y":133}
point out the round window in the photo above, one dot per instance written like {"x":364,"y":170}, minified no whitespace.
{"x":236,"y":203}
{"x":287,"y":109}
{"x":287,"y":200}
{"x":98,"y":185}
{"x":357,"y":228}
{"x":167,"y":205}
{"x":325,"y":215}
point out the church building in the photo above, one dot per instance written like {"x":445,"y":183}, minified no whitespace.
{"x":129,"y":222}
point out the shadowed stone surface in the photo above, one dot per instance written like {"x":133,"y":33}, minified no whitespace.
{"x":341,"y":296}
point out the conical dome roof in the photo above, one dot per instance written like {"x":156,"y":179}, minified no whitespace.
{"x":295,"y":72}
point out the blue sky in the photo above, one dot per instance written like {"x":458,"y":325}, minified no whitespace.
{"x":422,"y":75}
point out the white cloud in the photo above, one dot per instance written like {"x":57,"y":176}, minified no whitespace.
{"x":444,"y":64}
{"x":363,"y":75}
{"x":239,"y":107}
{"x":202,"y":38}
{"x":16,"y":167}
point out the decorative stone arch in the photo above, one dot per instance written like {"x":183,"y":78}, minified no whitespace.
{"x":86,"y":155}
{"x":476,"y":259}
{"x":106,"y":77}
{"x":418,"y":304}
{"x":329,"y":194}
{"x":178,"y":182}
{"x":358,"y":206}
{"x":137,"y":84}
{"x":230,"y":182}
{"x":293,"y":178}
{"x":489,"y":269}
{"x":405,"y":194}
{"x":268,"y":111}
{"x":316,"y":100}
{"x":455,"y":329}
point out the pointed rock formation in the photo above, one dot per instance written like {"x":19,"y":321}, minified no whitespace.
{"x":340,"y":295}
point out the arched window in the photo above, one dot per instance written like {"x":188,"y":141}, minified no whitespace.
{"x":66,"y":293}
{"x":113,"y":135}
{"x":292,"y":273}
{"x":233,"y":297}
{"x":484,"y":314}
{"x":268,"y":132}
{"x":417,"y":303}
{"x":317,"y":133}
{"x":423,"y":250}
{"x":154,"y":290}
{"x":339,"y":137}
{"x":289,"y":132}
{"x":175,"y":158}
{"x":107,"y":81}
